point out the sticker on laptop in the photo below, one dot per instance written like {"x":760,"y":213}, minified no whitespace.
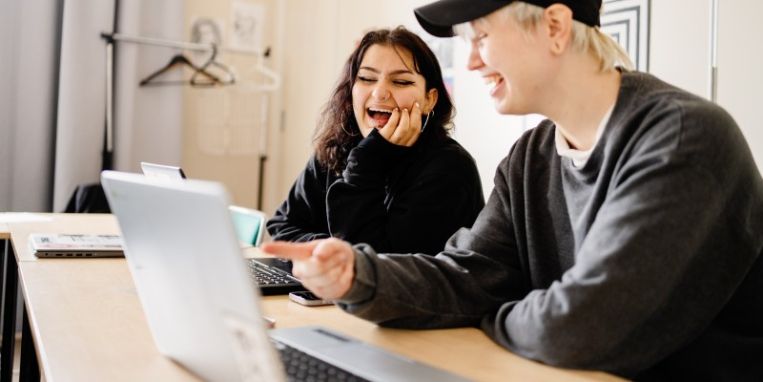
{"x":253,"y":351}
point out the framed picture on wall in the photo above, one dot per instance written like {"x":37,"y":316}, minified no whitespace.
{"x":627,"y":22}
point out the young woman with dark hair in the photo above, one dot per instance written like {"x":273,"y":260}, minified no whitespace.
{"x":385,"y":171}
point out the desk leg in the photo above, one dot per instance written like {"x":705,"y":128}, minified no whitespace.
{"x":29,"y":370}
{"x":10,"y":291}
{"x":3,"y":244}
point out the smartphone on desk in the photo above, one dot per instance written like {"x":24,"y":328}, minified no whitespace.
{"x":308,"y":299}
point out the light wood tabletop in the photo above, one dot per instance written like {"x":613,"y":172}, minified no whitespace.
{"x":88,"y":324}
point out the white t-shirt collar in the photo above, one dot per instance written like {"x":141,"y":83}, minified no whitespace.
{"x":579,"y":157}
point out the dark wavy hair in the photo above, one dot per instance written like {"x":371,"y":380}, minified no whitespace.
{"x":337,"y":131}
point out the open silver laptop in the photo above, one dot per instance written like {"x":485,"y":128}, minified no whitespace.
{"x":201,"y":306}
{"x":274,"y":275}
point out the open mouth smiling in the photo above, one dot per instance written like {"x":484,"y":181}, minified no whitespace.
{"x":379,"y":116}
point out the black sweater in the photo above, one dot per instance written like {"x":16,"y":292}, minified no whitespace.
{"x":398,"y":199}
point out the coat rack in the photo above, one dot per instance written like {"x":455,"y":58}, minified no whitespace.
{"x":111,"y":37}
{"x":273,"y":84}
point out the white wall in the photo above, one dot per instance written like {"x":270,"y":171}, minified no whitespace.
{"x":309,"y":69}
{"x":679,"y":38}
{"x":680,"y":53}
{"x":740,"y":60}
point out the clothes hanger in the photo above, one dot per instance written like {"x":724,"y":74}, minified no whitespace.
{"x":229,"y":79}
{"x":178,"y":61}
{"x":272,"y":80}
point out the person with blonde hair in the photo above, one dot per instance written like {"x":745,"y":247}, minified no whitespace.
{"x":624,"y":232}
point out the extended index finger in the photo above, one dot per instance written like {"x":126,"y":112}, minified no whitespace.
{"x":291,"y":251}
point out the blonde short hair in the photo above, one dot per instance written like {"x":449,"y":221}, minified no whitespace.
{"x":584,"y":38}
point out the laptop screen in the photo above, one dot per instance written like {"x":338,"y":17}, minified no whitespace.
{"x":154,"y":170}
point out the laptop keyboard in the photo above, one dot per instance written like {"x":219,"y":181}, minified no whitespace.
{"x":265,"y":275}
{"x":300,"y":366}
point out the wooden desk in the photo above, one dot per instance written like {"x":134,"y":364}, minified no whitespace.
{"x":19,"y":226}
{"x":88,"y":324}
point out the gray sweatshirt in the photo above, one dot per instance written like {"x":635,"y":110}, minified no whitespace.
{"x":646,"y":262}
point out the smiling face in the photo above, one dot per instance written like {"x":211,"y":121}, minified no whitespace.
{"x":387,"y":79}
{"x":515,"y":63}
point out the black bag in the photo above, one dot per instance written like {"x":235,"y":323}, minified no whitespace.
{"x":88,"y":198}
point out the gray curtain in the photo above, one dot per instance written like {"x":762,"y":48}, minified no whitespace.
{"x":29,"y":40}
{"x":146,"y":121}
{"x":81,"y":96}
{"x":52,"y":97}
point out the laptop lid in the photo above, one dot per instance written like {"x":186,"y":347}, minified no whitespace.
{"x":201,"y":306}
{"x":189,"y":272}
{"x":249,"y":223}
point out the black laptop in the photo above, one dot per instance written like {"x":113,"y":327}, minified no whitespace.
{"x":273,"y":275}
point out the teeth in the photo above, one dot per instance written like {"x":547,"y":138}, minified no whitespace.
{"x":492,"y":79}
{"x":379,"y":110}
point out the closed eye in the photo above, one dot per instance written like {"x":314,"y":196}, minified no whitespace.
{"x":366,"y":79}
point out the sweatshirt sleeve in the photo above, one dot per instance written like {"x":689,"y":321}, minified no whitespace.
{"x":416,"y":215}
{"x":301,"y":216}
{"x":478,"y":270}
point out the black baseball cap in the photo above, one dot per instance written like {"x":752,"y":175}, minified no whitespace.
{"x":438,"y":18}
